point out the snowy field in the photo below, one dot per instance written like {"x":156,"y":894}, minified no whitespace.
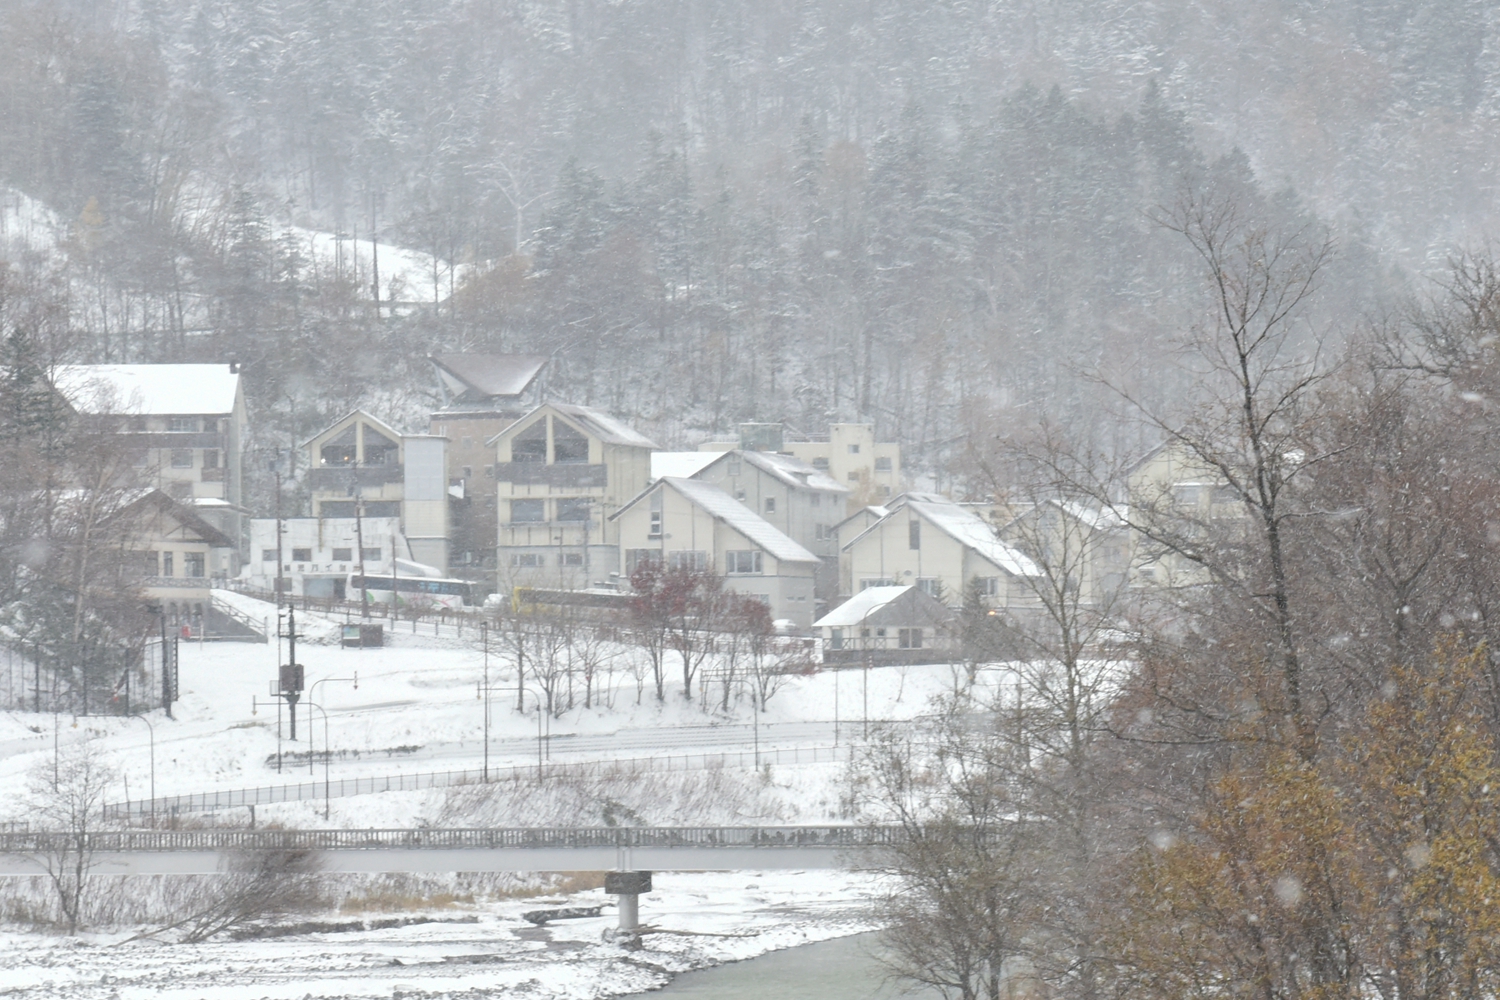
{"x":417,"y":709}
{"x":469,"y":950}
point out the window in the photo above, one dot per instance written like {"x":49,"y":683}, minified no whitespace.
{"x":688,"y":560}
{"x":930,"y":586}
{"x":182,"y":425}
{"x":854,"y":477}
{"x":770,"y":505}
{"x":1184,"y":493}
{"x":192,"y":564}
{"x":370,"y":554}
{"x":379,"y":449}
{"x":987,"y":586}
{"x":182,"y":458}
{"x":634,"y":558}
{"x":654,"y":531}
{"x":1225,"y":495}
{"x":340,"y":449}
{"x":733,"y":466}
{"x":151,"y":560}
{"x":266,"y":555}
{"x":210,"y":458}
{"x":739,"y":495}
{"x":885,"y":491}
{"x":468,"y":471}
{"x":909,"y":638}
{"x":867,"y":584}
{"x":836,"y":638}
{"x":882,"y":465}
{"x":528,"y":511}
{"x":742,"y":561}
{"x":568,"y":446}
{"x":573,"y":509}
{"x":572,"y":558}
{"x":821,"y":532}
{"x":531,"y":444}
{"x":166,"y":564}
{"x":854,"y":449}
{"x":526,"y":560}
{"x":343,"y":555}
{"x":302,"y":555}
{"x":914,"y":534}
{"x":821,"y":464}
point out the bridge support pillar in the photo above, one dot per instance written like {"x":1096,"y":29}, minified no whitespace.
{"x":627,"y":887}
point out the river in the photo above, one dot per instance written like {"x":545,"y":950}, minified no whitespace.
{"x":841,"y":969}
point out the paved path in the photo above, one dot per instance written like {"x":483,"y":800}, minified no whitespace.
{"x":185,"y":852}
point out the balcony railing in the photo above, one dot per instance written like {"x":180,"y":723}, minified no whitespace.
{"x":565,"y":474}
{"x":175,"y":439}
{"x":213,"y":475}
{"x":176,"y":582}
{"x":340,"y":478}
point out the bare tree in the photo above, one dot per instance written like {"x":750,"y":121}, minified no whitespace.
{"x":67,"y":799}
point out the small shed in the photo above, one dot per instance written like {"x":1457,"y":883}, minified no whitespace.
{"x":886,"y":625}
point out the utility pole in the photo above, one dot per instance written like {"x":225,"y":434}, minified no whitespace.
{"x":291,"y":672}
{"x":359,"y":539}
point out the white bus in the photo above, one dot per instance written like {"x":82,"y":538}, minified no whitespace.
{"x":417,"y":591}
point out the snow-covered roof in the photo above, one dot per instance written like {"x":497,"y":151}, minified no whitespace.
{"x":384,"y":428}
{"x":489,"y":374}
{"x":859,"y":607}
{"x":793,"y":471}
{"x":680,"y":464}
{"x":971,"y":531}
{"x":1097,"y":518}
{"x":603,"y":426}
{"x":726,"y":508}
{"x":873,"y":511}
{"x":148,"y":389}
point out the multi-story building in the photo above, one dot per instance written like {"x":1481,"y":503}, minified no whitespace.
{"x":184,"y":425}
{"x":685,"y":522}
{"x":798,"y":500}
{"x":561,"y":471}
{"x":181,"y":554}
{"x":942,"y":548}
{"x":362,"y":466}
{"x":482,"y":395}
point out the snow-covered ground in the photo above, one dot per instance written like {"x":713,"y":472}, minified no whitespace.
{"x":417,"y":708}
{"x":470,"y":950}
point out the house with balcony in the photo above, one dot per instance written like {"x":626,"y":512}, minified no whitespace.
{"x":180,"y":554}
{"x":800,"y":501}
{"x":849,"y":454}
{"x":561,"y":473}
{"x":184,"y":426}
{"x":942,"y":548}
{"x":361,"y":467}
{"x":1176,"y":501}
{"x":686,"y":522}
{"x":482,"y":394}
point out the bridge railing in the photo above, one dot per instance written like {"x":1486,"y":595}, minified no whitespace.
{"x":336,"y":788}
{"x":495,"y":838}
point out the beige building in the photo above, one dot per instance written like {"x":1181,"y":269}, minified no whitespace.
{"x":1087,"y":547}
{"x":850,"y":455}
{"x":1178,"y":498}
{"x":181,"y":555}
{"x":561,"y":472}
{"x":685,"y":522}
{"x":362,"y":465}
{"x":184,"y":426}
{"x":940,"y":547}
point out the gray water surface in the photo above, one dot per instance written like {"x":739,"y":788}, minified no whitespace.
{"x":841,"y":969}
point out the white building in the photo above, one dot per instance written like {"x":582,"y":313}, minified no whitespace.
{"x":319,"y":553}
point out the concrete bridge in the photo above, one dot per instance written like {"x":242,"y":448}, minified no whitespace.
{"x":195,"y":852}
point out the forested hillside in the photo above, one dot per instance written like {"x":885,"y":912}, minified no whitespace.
{"x":931,"y":216}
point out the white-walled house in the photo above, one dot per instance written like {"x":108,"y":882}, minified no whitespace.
{"x":685,"y":522}
{"x":798,"y":500}
{"x":883,"y":625}
{"x":941,"y":547}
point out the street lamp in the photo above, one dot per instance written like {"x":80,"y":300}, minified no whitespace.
{"x":326,"y":755}
{"x":310,"y":693}
{"x":152,"y":731}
